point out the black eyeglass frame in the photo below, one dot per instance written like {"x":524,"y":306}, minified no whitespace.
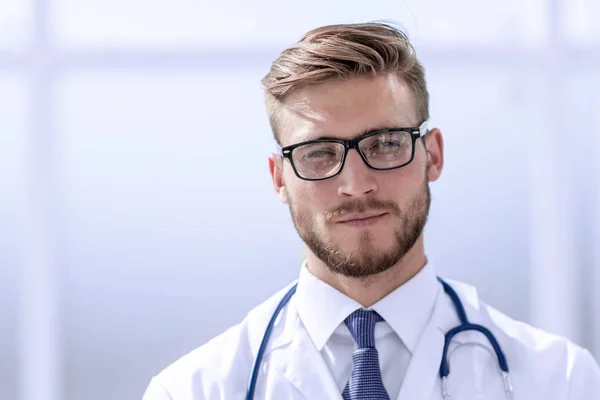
{"x":415,"y":133}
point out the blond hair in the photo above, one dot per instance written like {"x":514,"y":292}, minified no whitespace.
{"x":341,"y":52}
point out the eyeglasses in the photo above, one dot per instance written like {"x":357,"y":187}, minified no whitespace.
{"x":382,"y":150}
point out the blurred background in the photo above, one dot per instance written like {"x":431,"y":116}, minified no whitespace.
{"x":137,"y":216}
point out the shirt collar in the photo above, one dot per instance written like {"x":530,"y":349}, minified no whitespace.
{"x":407,"y":309}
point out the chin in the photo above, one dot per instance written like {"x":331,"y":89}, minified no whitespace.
{"x":366,"y":242}
{"x":383,"y":236}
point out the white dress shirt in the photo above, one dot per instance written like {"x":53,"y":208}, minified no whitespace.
{"x":406,"y":311}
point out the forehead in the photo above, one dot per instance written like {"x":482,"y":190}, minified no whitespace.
{"x":347,"y":108}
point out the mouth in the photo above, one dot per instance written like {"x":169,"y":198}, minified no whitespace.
{"x":363,"y":219}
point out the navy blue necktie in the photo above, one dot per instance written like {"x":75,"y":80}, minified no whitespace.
{"x":365,"y":382}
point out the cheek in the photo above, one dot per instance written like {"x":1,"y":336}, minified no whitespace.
{"x":317,"y":197}
{"x":403,"y":183}
{"x":307,"y":197}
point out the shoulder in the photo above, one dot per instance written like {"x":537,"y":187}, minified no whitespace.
{"x":221,"y":367}
{"x":530,"y":351}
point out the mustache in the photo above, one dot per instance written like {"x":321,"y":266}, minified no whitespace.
{"x":357,"y":206}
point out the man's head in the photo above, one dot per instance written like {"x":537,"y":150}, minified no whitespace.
{"x":349,"y":82}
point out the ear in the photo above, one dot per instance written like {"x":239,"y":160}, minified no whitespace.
{"x":276,"y":169}
{"x":434,"y":144}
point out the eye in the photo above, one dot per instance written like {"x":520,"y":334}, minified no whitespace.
{"x":321,"y":153}
{"x":387,"y":144}
{"x":318,"y":152}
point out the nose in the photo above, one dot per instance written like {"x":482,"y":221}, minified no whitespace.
{"x":356,"y":178}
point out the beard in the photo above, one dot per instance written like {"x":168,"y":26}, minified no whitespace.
{"x":367,"y":260}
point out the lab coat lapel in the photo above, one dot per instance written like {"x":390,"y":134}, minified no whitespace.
{"x":422,"y":375}
{"x":303,"y":366}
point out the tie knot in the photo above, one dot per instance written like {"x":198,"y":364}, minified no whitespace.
{"x":361,"y":324}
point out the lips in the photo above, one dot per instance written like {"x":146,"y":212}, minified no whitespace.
{"x":361,"y":216}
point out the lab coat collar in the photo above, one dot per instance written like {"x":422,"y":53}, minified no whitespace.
{"x":300,"y":363}
{"x":407,"y":309}
{"x":321,"y":307}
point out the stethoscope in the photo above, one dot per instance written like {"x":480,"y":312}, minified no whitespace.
{"x":465,"y":325}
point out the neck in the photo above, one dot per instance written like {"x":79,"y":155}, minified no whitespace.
{"x":369,"y":290}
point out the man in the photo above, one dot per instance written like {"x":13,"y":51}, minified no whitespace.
{"x":348,"y":105}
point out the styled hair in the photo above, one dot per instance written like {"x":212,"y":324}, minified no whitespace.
{"x":340,"y":52}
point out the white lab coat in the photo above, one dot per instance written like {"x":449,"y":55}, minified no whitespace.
{"x":542,"y":366}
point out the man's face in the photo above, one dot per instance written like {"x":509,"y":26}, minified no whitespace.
{"x":329,"y":215}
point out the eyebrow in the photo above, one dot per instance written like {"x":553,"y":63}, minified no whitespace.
{"x":318,"y":136}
